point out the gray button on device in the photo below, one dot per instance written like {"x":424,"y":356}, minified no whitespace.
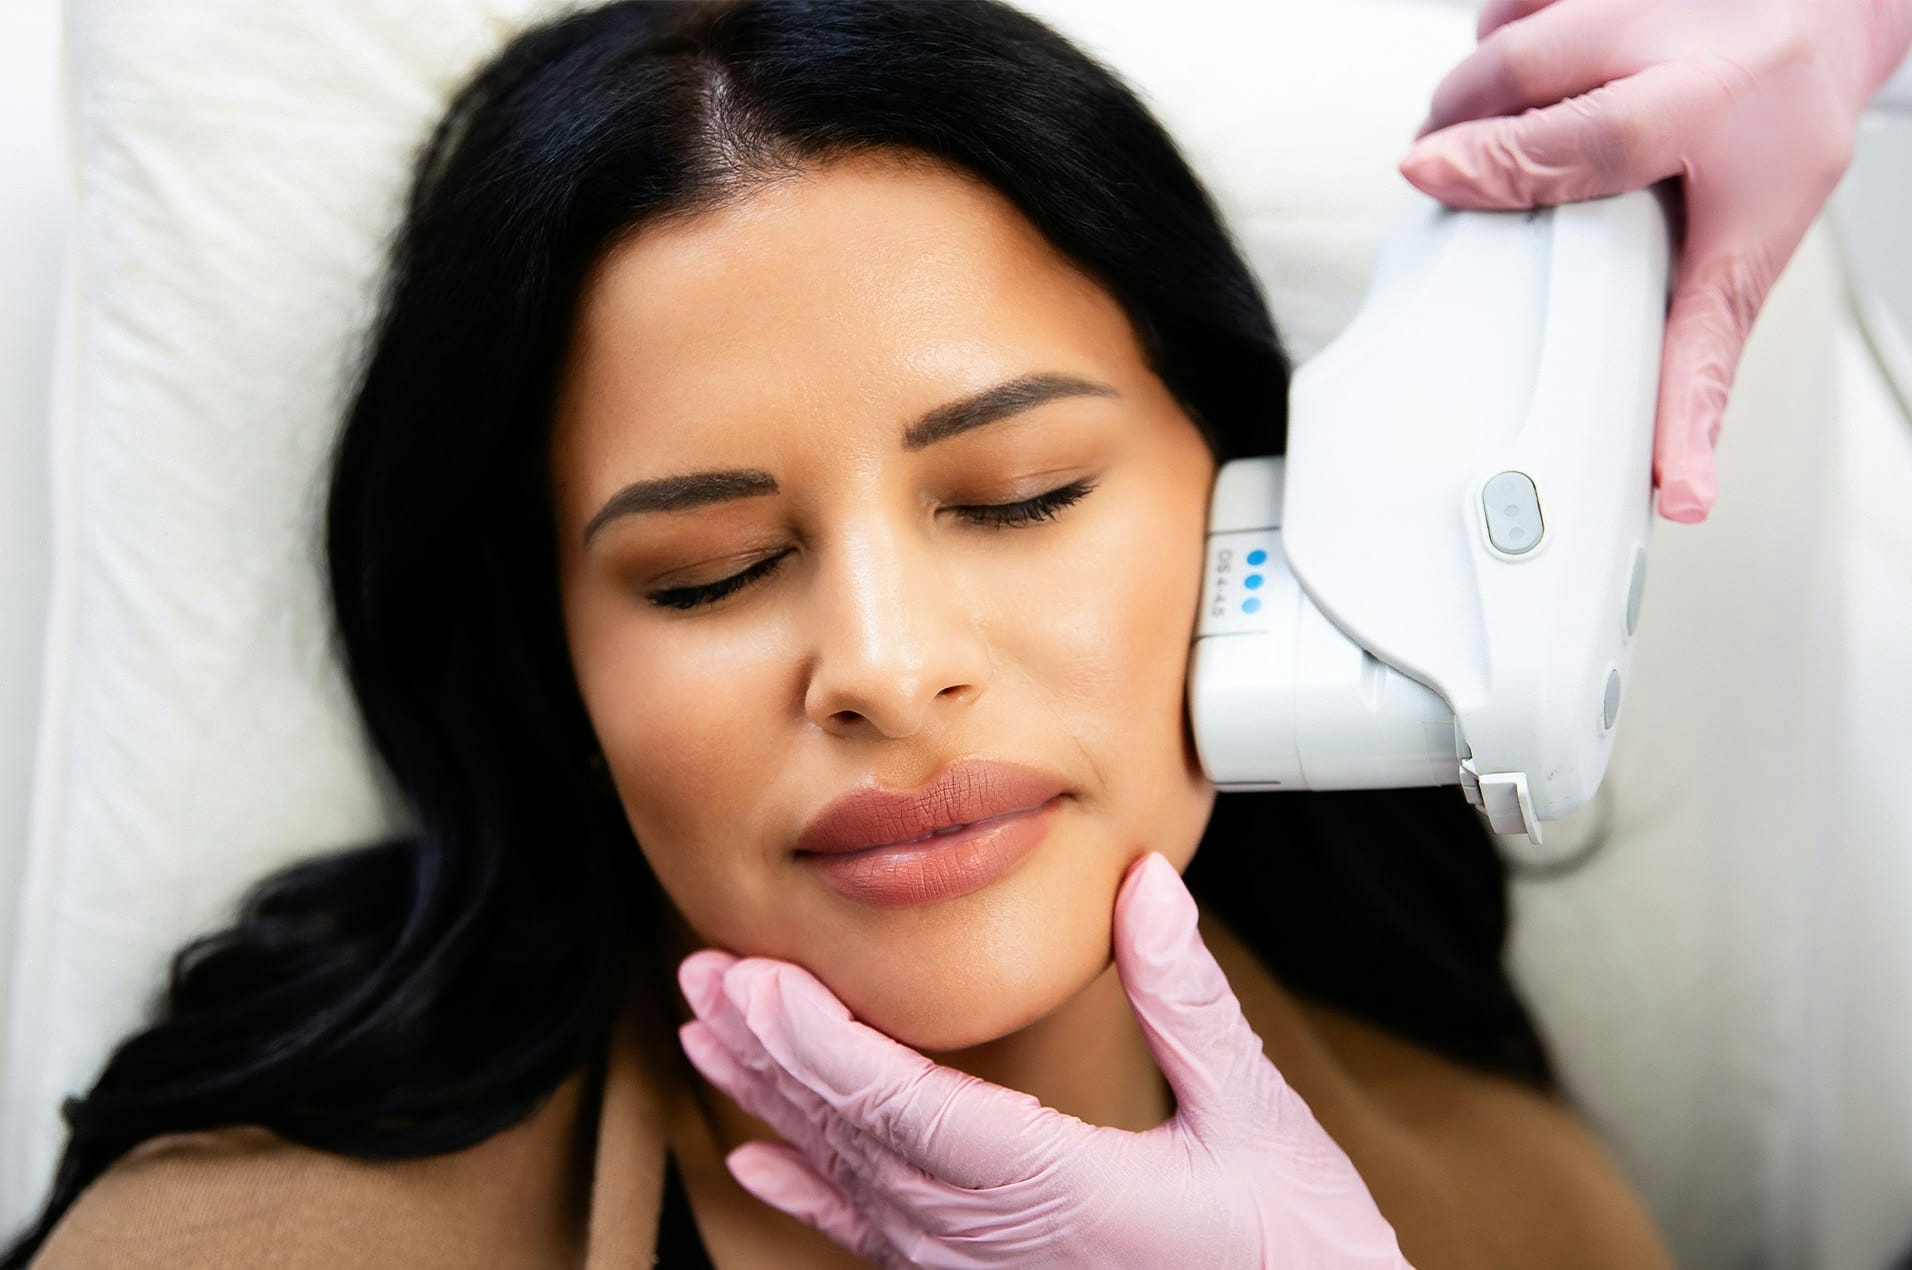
{"x":1636,"y":585}
{"x":1513,"y":512}
{"x":1610,"y":707}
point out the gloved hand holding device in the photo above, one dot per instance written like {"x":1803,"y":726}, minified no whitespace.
{"x":907,"y":1163}
{"x":1754,"y":103}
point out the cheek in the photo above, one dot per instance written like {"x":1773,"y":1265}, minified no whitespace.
{"x":1110,"y":648}
{"x":680,"y":716}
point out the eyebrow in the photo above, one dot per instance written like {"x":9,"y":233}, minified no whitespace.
{"x":991,"y":405}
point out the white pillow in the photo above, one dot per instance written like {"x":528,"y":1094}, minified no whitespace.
{"x":33,"y":225}
{"x":240,"y":167}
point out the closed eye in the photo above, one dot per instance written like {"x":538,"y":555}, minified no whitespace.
{"x":689,"y":597}
{"x":1028,"y":511}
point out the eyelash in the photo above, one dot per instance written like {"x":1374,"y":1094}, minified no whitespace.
{"x":1029,"y":511}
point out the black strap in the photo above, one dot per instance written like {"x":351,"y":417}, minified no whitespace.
{"x":679,"y":1246}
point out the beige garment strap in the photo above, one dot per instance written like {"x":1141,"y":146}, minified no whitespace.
{"x":627,"y":1178}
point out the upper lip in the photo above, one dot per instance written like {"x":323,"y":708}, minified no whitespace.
{"x":962,"y":793}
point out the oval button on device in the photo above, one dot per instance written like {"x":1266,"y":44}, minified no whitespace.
{"x":1513,"y":512}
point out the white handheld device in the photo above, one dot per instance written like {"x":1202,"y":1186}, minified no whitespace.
{"x":1441,"y":581}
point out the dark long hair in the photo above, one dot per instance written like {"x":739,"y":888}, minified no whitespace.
{"x":416,"y":996}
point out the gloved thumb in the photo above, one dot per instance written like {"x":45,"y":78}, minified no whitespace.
{"x":1711,"y":317}
{"x":1194,"y":1025}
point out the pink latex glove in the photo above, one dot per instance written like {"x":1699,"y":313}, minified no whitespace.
{"x":907,"y":1163}
{"x":1753,"y":102}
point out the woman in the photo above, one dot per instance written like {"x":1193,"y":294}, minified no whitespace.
{"x":775,"y":401}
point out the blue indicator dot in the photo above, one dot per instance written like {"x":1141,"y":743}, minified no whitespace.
{"x":1251,"y":605}
{"x":1257,"y":556}
{"x":1252,"y":581}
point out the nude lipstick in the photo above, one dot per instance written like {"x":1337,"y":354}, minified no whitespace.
{"x":960,"y":832}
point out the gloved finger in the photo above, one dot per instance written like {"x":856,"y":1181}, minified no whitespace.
{"x":910,"y":1209}
{"x":897,"y":1196}
{"x":701,"y":976}
{"x":755,"y":1091}
{"x":1498,"y":13}
{"x":1226,"y":1089}
{"x":781,"y":1177}
{"x":930,"y":1219}
{"x":1546,"y":55}
{"x":721,"y":1046}
{"x":833,"y":1151}
{"x":1620,"y":137}
{"x":1494,"y":15}
{"x":1715,"y":303}
{"x":698,"y":972}
{"x":718,"y":1024}
{"x":945,"y":1123}
{"x":1194,"y":1025}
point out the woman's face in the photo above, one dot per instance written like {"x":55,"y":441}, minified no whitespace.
{"x":838,"y":345}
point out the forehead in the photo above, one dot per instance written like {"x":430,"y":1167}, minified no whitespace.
{"x":873,"y":282}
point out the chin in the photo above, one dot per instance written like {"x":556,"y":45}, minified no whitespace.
{"x":940,"y":1016}
{"x":954,"y":1021}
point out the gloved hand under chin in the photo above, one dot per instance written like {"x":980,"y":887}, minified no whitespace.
{"x":907,"y":1163}
{"x":1754,"y":103}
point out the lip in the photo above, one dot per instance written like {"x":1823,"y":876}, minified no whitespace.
{"x":967,"y":828}
{"x":962,"y":793}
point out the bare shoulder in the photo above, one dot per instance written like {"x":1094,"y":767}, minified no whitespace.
{"x":244,"y":1197}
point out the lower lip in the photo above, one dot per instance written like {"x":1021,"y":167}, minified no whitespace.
{"x":939,"y":868}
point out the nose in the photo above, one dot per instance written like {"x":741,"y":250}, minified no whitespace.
{"x":894,"y":642}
